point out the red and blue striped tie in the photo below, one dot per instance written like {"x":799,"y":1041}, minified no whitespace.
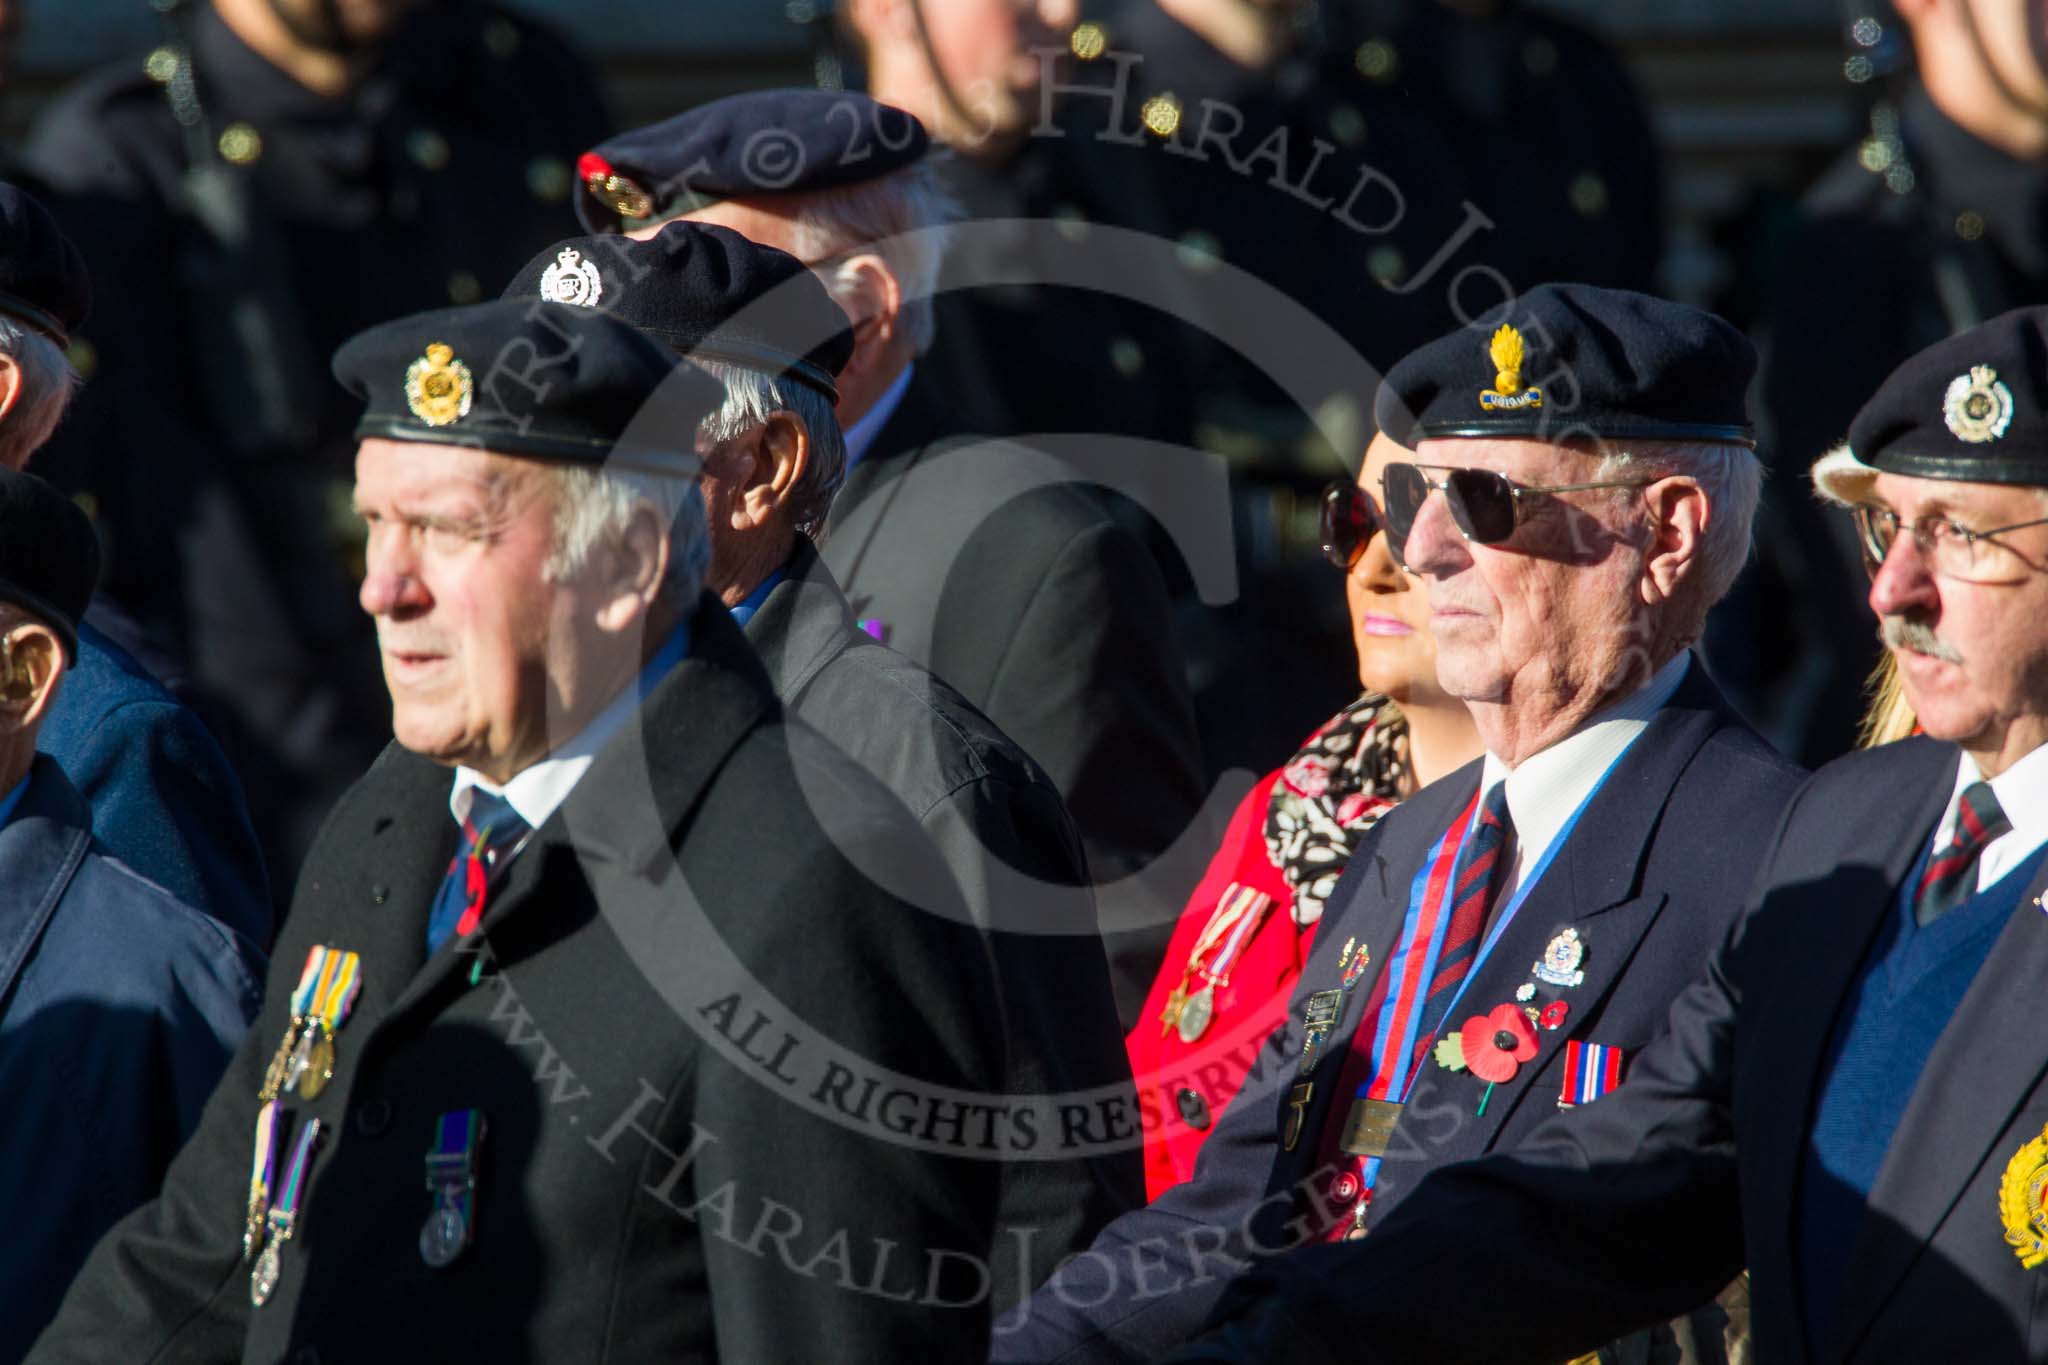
{"x":1478,"y":877}
{"x":1951,"y":874}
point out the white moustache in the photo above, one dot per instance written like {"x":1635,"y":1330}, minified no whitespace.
{"x":1901,"y":633}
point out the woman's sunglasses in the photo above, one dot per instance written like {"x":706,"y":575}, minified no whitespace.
{"x":1350,"y":521}
{"x":1486,"y":506}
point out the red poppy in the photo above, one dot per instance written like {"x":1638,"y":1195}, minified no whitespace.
{"x":1553,"y":1014}
{"x":590,"y":166}
{"x":1498,"y":1042}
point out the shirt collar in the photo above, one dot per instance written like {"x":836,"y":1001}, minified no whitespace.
{"x":744,"y":612}
{"x":536,"y":790}
{"x":1546,"y":788}
{"x":862,"y":433}
{"x":11,"y":800}
{"x":2022,"y":792}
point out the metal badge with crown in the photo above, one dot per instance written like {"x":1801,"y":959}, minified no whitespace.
{"x":1508,"y":393}
{"x":1977,"y":406}
{"x":572,"y":280}
{"x":438,"y":387}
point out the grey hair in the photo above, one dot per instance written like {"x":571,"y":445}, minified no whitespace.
{"x":47,"y":385}
{"x":905,"y":216}
{"x":593,"y":506}
{"x":751,"y":398}
{"x":1733,"y":478}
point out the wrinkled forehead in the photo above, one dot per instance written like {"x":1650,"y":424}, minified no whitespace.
{"x":1525,"y":461}
{"x":423,"y":470}
{"x":1913,"y":497}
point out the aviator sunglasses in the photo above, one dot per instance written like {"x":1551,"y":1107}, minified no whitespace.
{"x":1486,"y":506}
{"x":1350,"y":521}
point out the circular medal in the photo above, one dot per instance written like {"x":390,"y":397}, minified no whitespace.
{"x":263,"y":1279}
{"x":319,"y":1066}
{"x":443,"y":1237}
{"x":1196,"y":1014}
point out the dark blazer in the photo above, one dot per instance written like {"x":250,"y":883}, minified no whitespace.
{"x":162,"y":796}
{"x":1611,"y":1215}
{"x":1649,"y":898}
{"x":1048,"y":616}
{"x":1003,"y":832}
{"x":701,"y":1040}
{"x":119,"y":1007}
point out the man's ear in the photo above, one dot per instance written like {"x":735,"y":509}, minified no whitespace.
{"x":10,"y":385}
{"x":1679,"y":514}
{"x":784,"y":446}
{"x":633,"y":572}
{"x":872,"y":298}
{"x":882,"y":18}
{"x":31,"y":662}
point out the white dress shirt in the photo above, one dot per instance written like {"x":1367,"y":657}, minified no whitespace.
{"x":1546,"y":787}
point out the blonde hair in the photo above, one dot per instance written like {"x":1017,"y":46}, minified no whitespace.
{"x":1887,"y":716}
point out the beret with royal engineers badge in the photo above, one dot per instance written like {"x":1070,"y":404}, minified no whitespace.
{"x":762,"y":142}
{"x":1574,"y":362}
{"x":49,"y":555}
{"x":512,"y":377}
{"x":706,"y":293}
{"x":1973,"y":406}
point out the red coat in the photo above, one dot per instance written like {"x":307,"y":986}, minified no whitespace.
{"x":1183,"y":1088}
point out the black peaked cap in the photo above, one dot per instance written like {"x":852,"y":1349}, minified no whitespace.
{"x":43,"y":280}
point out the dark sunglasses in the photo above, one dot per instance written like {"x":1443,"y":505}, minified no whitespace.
{"x":1486,"y":506}
{"x":1350,"y":521}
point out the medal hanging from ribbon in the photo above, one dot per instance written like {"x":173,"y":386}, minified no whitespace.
{"x":451,"y":1179}
{"x":1239,"y":912}
{"x":283,"y":1216}
{"x":262,"y":1171}
{"x":336,"y":982}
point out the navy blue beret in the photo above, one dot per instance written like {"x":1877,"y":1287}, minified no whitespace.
{"x":1974,"y":406}
{"x":525,"y":378}
{"x":43,"y":281}
{"x":761,"y":142}
{"x":49,"y":554}
{"x":705,"y":292}
{"x":1572,"y":362}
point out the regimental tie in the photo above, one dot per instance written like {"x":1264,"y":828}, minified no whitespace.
{"x":1951,"y":873}
{"x":1422,"y":980}
{"x":491,"y":833}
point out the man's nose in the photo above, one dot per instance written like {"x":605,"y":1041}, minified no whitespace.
{"x":1435,"y":545}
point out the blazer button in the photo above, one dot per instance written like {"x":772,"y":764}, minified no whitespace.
{"x":1194,"y":1110}
{"x":374,"y":1116}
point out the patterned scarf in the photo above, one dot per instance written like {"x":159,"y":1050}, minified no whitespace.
{"x":1345,"y":778}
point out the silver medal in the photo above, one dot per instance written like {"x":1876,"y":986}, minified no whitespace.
{"x":1196,"y":1014}
{"x":443,"y":1237}
{"x":263,"y":1279}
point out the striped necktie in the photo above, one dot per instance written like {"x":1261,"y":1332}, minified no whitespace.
{"x":1479,"y":875}
{"x":489,"y":834}
{"x":1951,"y":874}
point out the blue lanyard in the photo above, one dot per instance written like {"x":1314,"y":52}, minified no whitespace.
{"x":1403,"y":1081}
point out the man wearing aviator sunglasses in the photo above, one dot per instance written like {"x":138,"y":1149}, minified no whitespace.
{"x":1597,"y":839}
{"x":1852,"y":1097}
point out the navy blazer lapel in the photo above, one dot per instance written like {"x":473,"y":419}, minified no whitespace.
{"x":1788,"y":1028}
{"x":402,"y":857}
{"x":1992,"y":1051}
{"x":1593,"y":886}
{"x":41,"y":850}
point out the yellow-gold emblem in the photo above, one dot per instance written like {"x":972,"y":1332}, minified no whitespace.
{"x":1508,"y":392}
{"x":438,"y":387}
{"x":2020,"y":1202}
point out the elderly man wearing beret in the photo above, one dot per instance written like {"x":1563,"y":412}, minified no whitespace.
{"x":1851,"y":1099}
{"x":761,"y":323}
{"x":594,"y":1033}
{"x":119,"y":1004}
{"x":1016,"y":588}
{"x":1509,"y":939}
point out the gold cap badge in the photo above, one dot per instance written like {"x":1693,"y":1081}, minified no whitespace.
{"x":1977,"y":406}
{"x":1508,"y":393}
{"x":438,"y":387}
{"x":620,"y":193}
{"x":572,"y":280}
{"x":2020,"y":1202}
